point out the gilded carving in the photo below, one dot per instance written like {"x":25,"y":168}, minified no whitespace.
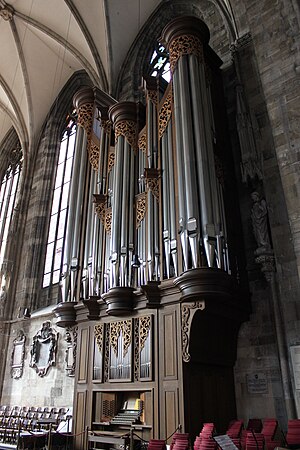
{"x":186,"y":44}
{"x":152,"y":95}
{"x":85,"y":118}
{"x":142,"y":142}
{"x":99,"y":203}
{"x":128,"y":129}
{"x":141,"y":208}
{"x":94,"y":152}
{"x":99,"y":334}
{"x":108,"y":219}
{"x":164,"y":114}
{"x":188,"y":311}
{"x":106,"y":126}
{"x":111,"y":161}
{"x":6,"y":11}
{"x":124,"y":326}
{"x":152,"y":183}
{"x":136,"y":356}
{"x":106,"y":354}
{"x":144,"y":325}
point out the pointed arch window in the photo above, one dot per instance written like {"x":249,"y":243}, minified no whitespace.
{"x":8,"y":191}
{"x":159,"y":63}
{"x":60,"y":203}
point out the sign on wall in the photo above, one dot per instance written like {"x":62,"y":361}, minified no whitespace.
{"x":295,"y":355}
{"x":257,"y":383}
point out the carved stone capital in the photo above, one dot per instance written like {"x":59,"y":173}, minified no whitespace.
{"x":6,"y":11}
{"x":240,"y":43}
{"x":188,"y":311}
{"x":267,"y":262}
{"x":152,"y":181}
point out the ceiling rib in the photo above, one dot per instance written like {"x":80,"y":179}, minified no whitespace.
{"x":24,"y":73}
{"x":90,"y":42}
{"x":16,"y":125}
{"x":59,"y":39}
{"x":16,"y":108}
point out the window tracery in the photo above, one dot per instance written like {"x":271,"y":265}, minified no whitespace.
{"x":159,"y":63}
{"x":59,"y":210}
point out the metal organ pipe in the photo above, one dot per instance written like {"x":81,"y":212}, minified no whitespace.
{"x":117,"y":211}
{"x":180,"y":171}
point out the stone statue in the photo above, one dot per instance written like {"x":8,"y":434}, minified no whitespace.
{"x":259,"y":217}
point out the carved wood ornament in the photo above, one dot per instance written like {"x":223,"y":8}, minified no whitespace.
{"x":165,"y":113}
{"x":71,"y":351}
{"x":43,"y":349}
{"x":141,"y":208}
{"x":187,"y":44}
{"x":188,"y":311}
{"x":128,"y":129}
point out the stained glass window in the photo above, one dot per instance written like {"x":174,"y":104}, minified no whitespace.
{"x":59,"y":210}
{"x":8,"y":192}
{"x":159,"y":63}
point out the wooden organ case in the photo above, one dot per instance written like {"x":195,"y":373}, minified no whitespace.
{"x":164,"y":292}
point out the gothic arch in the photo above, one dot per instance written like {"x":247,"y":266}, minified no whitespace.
{"x":42,"y":172}
{"x":136,"y":61}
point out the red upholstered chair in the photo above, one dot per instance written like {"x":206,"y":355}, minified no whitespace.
{"x":255,"y":425}
{"x":254,"y":441}
{"x":269,"y":429}
{"x":293,"y":433}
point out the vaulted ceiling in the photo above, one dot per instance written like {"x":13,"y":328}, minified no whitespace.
{"x":42,"y":43}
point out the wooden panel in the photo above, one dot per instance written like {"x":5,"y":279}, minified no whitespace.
{"x":79,"y":440}
{"x":148,"y":410}
{"x":171,"y":412}
{"x":169,"y":346}
{"x":83,"y":356}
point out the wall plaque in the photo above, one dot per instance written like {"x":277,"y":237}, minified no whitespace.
{"x":43,"y":349}
{"x":17,"y":356}
{"x":295,"y":355}
{"x":257,"y":383}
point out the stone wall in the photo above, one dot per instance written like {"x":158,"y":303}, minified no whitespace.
{"x":55,"y":389}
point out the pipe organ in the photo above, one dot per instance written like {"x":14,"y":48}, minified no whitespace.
{"x":152,"y":244}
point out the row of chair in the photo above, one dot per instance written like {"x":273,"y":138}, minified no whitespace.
{"x":16,"y":420}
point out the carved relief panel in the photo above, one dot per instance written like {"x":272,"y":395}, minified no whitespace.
{"x":43,"y":349}
{"x":17,"y":355}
